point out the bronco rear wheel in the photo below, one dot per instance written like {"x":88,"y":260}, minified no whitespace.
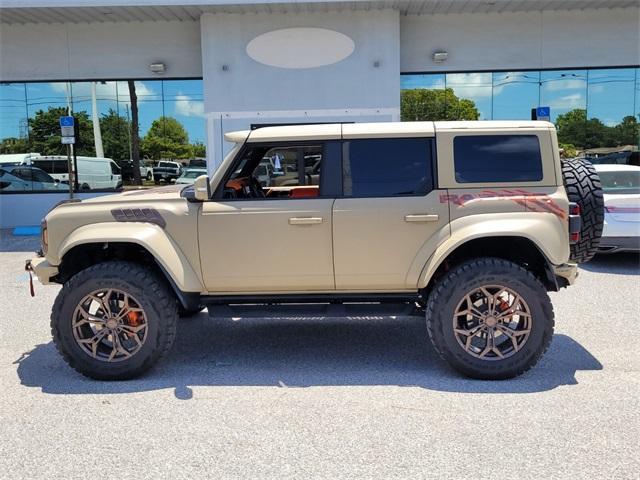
{"x":490,"y":319}
{"x":583,"y":187}
{"x":114,"y":320}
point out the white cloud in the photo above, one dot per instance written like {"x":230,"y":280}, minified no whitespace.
{"x":553,"y":85}
{"x":107,"y":91}
{"x":471,"y":85}
{"x":572,"y":101}
{"x":187,"y":107}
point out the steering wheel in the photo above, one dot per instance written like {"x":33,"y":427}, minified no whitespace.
{"x":256,"y":187}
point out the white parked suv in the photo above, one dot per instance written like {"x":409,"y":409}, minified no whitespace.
{"x":621,"y":187}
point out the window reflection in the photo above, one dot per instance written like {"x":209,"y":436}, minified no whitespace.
{"x":515,"y":94}
{"x":476,"y":87}
{"x":170,"y":120}
{"x":596,"y":111}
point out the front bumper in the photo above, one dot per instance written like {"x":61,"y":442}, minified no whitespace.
{"x":566,"y":274}
{"x":42,"y":268}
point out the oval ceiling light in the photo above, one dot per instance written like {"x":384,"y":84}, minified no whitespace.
{"x":300,"y":47}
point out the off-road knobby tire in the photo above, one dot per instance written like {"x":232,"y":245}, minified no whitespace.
{"x":450,"y":289}
{"x":583,"y":187}
{"x":155,"y":297}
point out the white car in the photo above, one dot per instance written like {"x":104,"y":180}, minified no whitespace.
{"x":189,"y":176}
{"x":621,"y":187}
{"x":27,"y":178}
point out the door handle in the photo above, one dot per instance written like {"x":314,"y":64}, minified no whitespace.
{"x":426,"y":217}
{"x":304,"y":220}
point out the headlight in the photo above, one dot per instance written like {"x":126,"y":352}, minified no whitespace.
{"x":44,"y":236}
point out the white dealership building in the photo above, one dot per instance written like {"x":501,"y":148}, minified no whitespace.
{"x":223,"y":65}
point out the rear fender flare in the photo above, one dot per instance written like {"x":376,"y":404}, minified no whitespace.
{"x":544,"y":230}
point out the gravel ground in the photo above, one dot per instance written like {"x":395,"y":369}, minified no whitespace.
{"x":311,"y":398}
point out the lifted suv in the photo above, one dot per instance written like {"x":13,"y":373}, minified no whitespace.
{"x":469,"y":223}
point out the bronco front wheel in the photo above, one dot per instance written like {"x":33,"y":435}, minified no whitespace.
{"x":490,"y":319}
{"x":114,"y":320}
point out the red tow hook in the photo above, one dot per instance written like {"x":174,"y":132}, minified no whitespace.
{"x":29,"y":269}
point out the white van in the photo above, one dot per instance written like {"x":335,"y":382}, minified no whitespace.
{"x":17,"y":158}
{"x":93,"y":173}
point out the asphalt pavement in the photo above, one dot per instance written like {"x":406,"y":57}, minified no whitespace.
{"x":326,"y":398}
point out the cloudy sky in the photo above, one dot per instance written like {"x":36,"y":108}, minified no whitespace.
{"x":181,"y":99}
{"x":609,"y":93}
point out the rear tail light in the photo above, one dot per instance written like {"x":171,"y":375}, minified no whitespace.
{"x":574,"y":209}
{"x":575,"y":222}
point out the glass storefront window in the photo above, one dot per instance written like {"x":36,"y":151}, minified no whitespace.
{"x":596,"y":111}
{"x":170,"y":121}
{"x":515,"y":94}
{"x":476,"y":87}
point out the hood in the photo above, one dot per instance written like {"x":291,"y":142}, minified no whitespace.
{"x":159,"y":193}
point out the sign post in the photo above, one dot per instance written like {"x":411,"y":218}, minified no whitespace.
{"x":541,"y":113}
{"x":68,"y":138}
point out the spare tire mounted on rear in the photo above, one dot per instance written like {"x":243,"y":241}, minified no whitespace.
{"x":583,"y":187}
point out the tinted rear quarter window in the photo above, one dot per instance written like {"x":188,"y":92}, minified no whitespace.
{"x":497,"y":158}
{"x":387,"y":167}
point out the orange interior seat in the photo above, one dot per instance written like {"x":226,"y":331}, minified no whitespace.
{"x":305,"y":192}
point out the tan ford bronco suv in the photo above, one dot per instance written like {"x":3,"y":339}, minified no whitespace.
{"x":468,"y":223}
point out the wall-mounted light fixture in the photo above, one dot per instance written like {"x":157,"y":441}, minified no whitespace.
{"x":225,"y":68}
{"x":376,"y":64}
{"x":440,"y":56}
{"x":158,"y":68}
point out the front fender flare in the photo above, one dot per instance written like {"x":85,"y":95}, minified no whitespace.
{"x":149,"y":236}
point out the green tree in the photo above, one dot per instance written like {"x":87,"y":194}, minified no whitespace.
{"x":435,"y":104}
{"x":575,"y":128}
{"x":198,"y":150}
{"x":115,"y":135}
{"x":166,"y":139}
{"x":44,"y":132}
{"x":14,"y":145}
{"x":628,"y":131}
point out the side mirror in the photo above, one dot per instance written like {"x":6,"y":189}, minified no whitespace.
{"x":202,"y":188}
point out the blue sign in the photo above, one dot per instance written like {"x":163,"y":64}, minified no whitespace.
{"x":66,"y":121}
{"x":543,"y":113}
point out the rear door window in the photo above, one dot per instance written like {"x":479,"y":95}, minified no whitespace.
{"x":497,"y":158}
{"x":387,"y":167}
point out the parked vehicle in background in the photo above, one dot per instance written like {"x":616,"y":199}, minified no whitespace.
{"x":94,"y":173}
{"x":621,"y":187}
{"x":17,"y":158}
{"x":146,"y":173}
{"x":166,"y":171}
{"x":467,"y":223}
{"x":198,"y":163}
{"x":628,"y":155}
{"x":27,"y":178}
{"x":189,"y":175}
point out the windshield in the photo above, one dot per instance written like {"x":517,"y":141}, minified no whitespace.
{"x":627,"y":182}
{"x":193,"y":174}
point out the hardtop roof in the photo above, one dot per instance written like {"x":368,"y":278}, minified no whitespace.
{"x":335,"y":131}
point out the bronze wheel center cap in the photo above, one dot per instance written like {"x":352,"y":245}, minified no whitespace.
{"x":491,"y":321}
{"x":112,"y":323}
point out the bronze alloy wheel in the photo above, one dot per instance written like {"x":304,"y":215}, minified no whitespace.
{"x":492,"y":322}
{"x":109,"y":325}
